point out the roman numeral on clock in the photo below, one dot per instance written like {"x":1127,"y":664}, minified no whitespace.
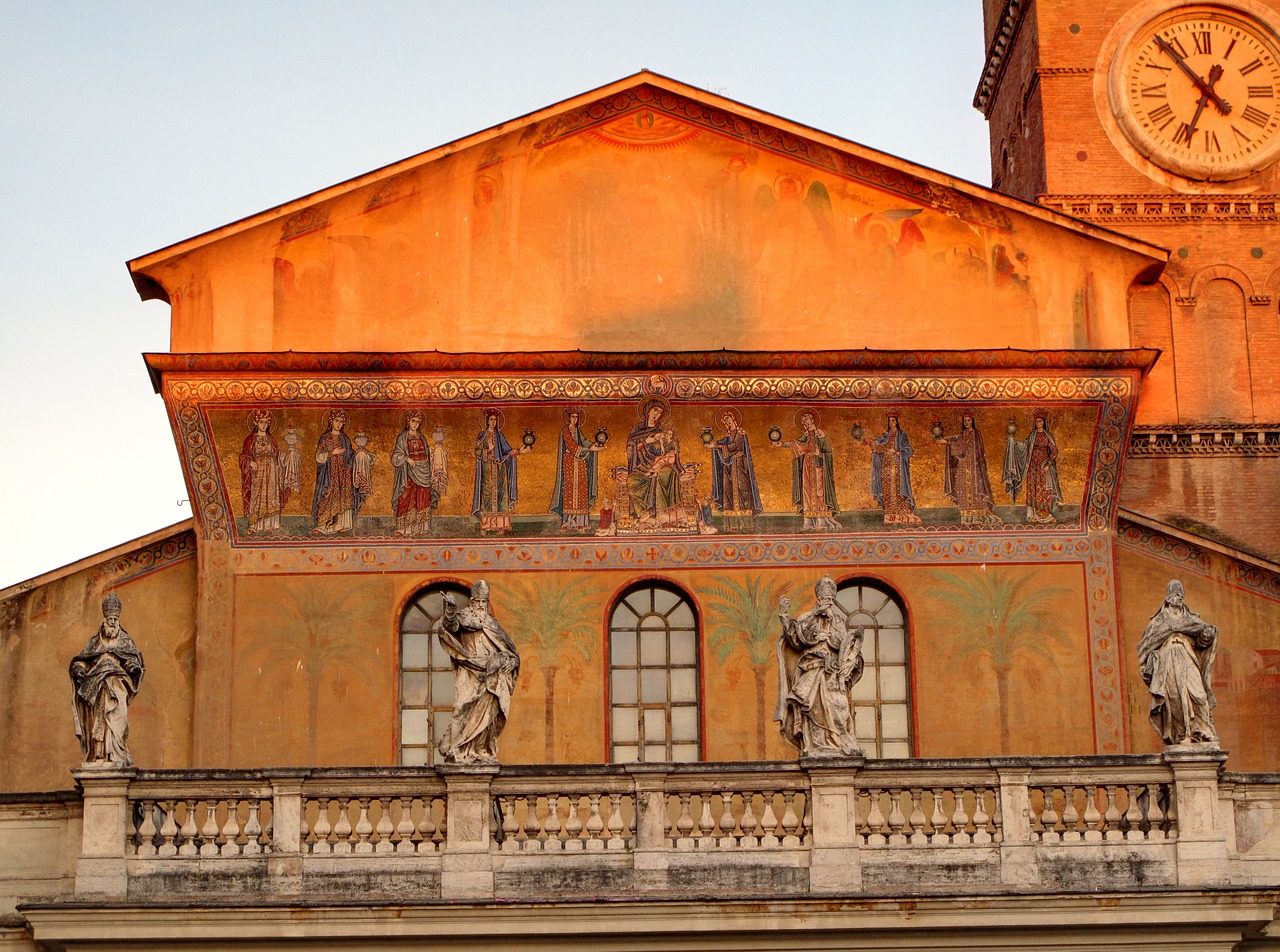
{"x":1202,"y":41}
{"x":1211,"y":142}
{"x":1250,"y":67}
{"x":1161,"y":115}
{"x":1158,"y":92}
{"x":1258,"y":92}
{"x":1183,"y":135}
{"x":1255,"y":115}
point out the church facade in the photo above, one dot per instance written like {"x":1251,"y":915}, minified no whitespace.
{"x":664,"y":372}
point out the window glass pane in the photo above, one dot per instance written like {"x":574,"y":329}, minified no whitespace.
{"x":893,"y":721}
{"x":864,"y":723}
{"x":865,"y":689}
{"x":893,"y":645}
{"x":685,"y":753}
{"x":655,"y":726}
{"x":414,"y":756}
{"x":684,"y":648}
{"x":653,"y":646}
{"x":890,"y":615}
{"x":863,"y":618}
{"x":416,"y":620}
{"x":623,"y":687}
{"x":893,"y":684}
{"x":684,"y":723}
{"x":653,"y":685}
{"x":640,"y":602}
{"x":414,"y":650}
{"x":847,"y":598}
{"x":654,"y":754}
{"x":439,"y":723}
{"x":664,"y":601}
{"x":625,"y":754}
{"x":442,"y":685}
{"x":872,"y":600}
{"x":413,"y":689}
{"x":413,"y":727}
{"x":896,"y":748}
{"x":682,"y":617}
{"x":624,"y":724}
{"x":684,"y":684}
{"x":622,"y":648}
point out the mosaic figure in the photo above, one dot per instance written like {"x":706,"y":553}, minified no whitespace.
{"x":413,"y":494}
{"x":575,"y":489}
{"x":1035,"y":469}
{"x":891,"y":454}
{"x":654,"y":468}
{"x":813,"y":485}
{"x":734,"y":491}
{"x":263,"y":484}
{"x":1175,"y":655}
{"x":486,"y":667}
{"x":337,"y":499}
{"x":495,"y":491}
{"x":819,"y":662}
{"x":964,"y":477}
{"x":106,"y":676}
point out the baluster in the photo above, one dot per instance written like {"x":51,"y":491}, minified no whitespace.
{"x":1070,"y":816}
{"x":982,"y":820}
{"x":1111,"y":819}
{"x":706,"y":825}
{"x":342,"y":828}
{"x":1170,"y":811}
{"x":363,"y":829}
{"x":669,"y":831}
{"x":323,"y":828}
{"x":168,"y":830}
{"x":1132,"y":823}
{"x":806,"y":820}
{"x":595,"y":824}
{"x":875,"y":819}
{"x":404,"y":826}
{"x":209,"y":830}
{"x":750,"y":822}
{"x":532,"y":828}
{"x":1155,"y":813}
{"x":190,"y":831}
{"x":573,"y":835}
{"x":938,"y":821}
{"x":552,"y":824}
{"x":231,"y":829}
{"x":510,"y":826}
{"x":614,"y":824}
{"x":790,"y":822}
{"x":769,"y":823}
{"x":996,"y":818}
{"x":728,"y":822}
{"x":960,"y":818}
{"x":918,"y":835}
{"x":384,"y":828}
{"x":1049,"y":818}
{"x":896,"y":820}
{"x":1093,"y":823}
{"x":684,"y":825}
{"x":252,"y":828}
{"x":146,"y":836}
{"x":304,"y":829}
{"x":429,"y":832}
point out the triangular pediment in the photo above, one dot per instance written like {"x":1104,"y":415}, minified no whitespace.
{"x":649,"y":215}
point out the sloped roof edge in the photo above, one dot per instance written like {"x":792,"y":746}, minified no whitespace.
{"x":1202,"y":542}
{"x":149,"y":289}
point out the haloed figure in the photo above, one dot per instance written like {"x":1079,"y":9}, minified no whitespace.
{"x":262,"y":486}
{"x":733,"y":476}
{"x":336,"y":500}
{"x":495,"y":491}
{"x":1041,"y":479}
{"x":813,"y":481}
{"x":965,"y":478}
{"x":575,"y":490}
{"x":413,"y":495}
{"x":891,"y":454}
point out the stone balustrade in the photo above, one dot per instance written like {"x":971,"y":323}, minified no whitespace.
{"x":810,"y":828}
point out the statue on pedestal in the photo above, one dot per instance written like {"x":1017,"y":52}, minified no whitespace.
{"x":485,"y":668}
{"x":819,"y":661}
{"x":1175,"y":656}
{"x":106,"y":675}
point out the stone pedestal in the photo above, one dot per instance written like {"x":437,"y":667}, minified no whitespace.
{"x":284,"y":862}
{"x":1203,"y":858}
{"x":101,"y":869}
{"x":466,"y":868}
{"x":835,"y":866}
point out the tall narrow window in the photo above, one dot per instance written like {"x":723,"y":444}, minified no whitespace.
{"x":653,"y":677}
{"x":881,"y":698}
{"x":426,"y":674}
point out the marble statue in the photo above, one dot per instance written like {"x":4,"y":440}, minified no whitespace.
{"x":106,"y":675}
{"x":819,"y":661}
{"x":1175,"y":656}
{"x":485,"y":668}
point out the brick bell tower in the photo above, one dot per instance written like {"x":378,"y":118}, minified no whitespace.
{"x":1161,"y":119}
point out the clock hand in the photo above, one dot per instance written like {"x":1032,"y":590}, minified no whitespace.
{"x":1191,"y":127}
{"x":1206,"y":89}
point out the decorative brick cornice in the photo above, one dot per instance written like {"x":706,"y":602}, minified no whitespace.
{"x":1115,"y":210}
{"x":1185,"y":300}
{"x":1227,"y":439}
{"x":1064,"y":71}
{"x":1260,"y":300}
{"x":1010,"y":22}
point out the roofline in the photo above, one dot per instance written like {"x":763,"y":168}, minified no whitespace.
{"x":149,"y":289}
{"x":1146,"y":522}
{"x":19,"y":588}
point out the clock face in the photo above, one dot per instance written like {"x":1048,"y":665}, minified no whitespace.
{"x":1197,"y":91}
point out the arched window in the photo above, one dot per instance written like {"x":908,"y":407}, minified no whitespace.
{"x":882,"y":696}
{"x":426,"y":675}
{"x":653,"y":677}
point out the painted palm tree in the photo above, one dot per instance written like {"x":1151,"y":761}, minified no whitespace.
{"x":308,"y":632}
{"x":555,"y":623}
{"x":745,"y":623}
{"x":1004,"y":616}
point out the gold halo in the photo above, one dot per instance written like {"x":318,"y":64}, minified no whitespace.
{"x":411,"y":412}
{"x":731,"y":411}
{"x":261,"y":411}
{"x":811,"y":411}
{"x":564,"y":415}
{"x":492,"y":411}
{"x":650,"y":401}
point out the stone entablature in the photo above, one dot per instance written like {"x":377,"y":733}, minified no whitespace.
{"x":1241,"y":439}
{"x":1115,"y":210}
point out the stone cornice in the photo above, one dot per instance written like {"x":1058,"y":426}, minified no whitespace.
{"x":1010,"y":22}
{"x":1116,"y":210}
{"x":1222,"y":439}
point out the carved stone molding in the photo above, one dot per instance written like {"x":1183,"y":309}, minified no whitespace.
{"x":1010,"y":21}
{"x":1237,"y":439}
{"x":1119,"y":208}
{"x":1185,"y":300}
{"x":1260,"y":300}
{"x":1064,"y":71}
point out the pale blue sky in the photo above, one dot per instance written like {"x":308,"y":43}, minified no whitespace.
{"x":128,"y":126}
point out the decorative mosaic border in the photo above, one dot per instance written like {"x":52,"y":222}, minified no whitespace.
{"x":185,"y":398}
{"x":152,"y":558}
{"x":1187,"y":555}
